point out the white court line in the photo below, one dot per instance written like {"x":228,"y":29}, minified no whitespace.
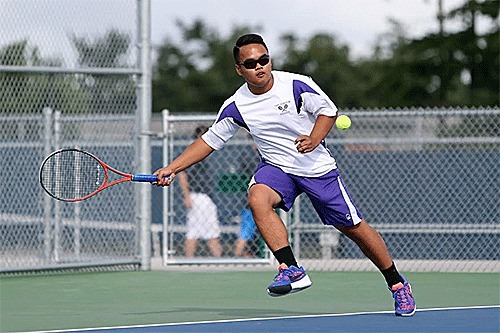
{"x":262,"y":319}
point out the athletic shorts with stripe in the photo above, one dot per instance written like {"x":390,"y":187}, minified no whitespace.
{"x":328,"y":193}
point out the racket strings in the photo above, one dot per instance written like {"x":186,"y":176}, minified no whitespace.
{"x":72,"y":174}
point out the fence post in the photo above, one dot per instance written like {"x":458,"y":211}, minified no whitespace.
{"x":296,"y":223}
{"x":47,"y":202}
{"x":57,"y":204}
{"x":165,"y":192}
{"x":144,"y":110}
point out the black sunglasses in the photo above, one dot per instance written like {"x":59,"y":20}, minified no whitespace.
{"x":252,"y":63}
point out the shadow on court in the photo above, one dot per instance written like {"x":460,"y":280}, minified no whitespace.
{"x":236,"y":313}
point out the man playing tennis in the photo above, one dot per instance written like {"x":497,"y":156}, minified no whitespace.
{"x":289,"y":116}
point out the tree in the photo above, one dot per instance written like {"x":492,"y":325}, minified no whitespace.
{"x":31,"y":92}
{"x":458,"y":68}
{"x":198,"y":75}
{"x":478,"y":54}
{"x":442,"y":69}
{"x":106,"y":93}
{"x":329,"y":64}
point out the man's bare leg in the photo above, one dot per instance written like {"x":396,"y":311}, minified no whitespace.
{"x":262,"y":200}
{"x":370,"y":242}
{"x":190,"y":247}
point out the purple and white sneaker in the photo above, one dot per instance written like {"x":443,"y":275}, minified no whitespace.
{"x":404,"y":303}
{"x":289,"y":280}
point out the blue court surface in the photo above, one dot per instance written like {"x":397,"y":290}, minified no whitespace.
{"x":466,"y":319}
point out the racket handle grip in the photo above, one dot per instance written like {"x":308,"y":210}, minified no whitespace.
{"x":144,"y":178}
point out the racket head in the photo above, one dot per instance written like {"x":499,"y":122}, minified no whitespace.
{"x":72,"y":175}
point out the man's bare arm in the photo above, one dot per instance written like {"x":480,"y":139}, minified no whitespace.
{"x":194,"y":153}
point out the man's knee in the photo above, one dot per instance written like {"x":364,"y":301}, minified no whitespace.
{"x":261,"y":196}
{"x":355,"y":230}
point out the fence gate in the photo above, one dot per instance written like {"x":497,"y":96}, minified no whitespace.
{"x":427,"y":180}
{"x":223,"y":178}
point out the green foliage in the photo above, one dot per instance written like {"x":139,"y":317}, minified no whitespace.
{"x":329,"y":64}
{"x":443,"y":69}
{"x":197,"y":74}
{"x":438,"y":70}
{"x":105,"y":93}
{"x":71,"y":93}
{"x":28,"y":92}
{"x":106,"y":51}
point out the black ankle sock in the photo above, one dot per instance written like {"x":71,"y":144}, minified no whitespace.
{"x":391,"y":275}
{"x":285,"y":255}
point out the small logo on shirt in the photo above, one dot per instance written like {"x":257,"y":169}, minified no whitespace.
{"x":283,"y":108}
{"x":348,"y":217}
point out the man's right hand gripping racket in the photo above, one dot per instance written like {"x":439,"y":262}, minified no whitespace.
{"x":74,"y":175}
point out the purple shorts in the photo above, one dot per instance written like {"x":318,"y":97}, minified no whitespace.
{"x":328,"y":193}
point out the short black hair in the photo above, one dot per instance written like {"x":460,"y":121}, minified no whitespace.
{"x":245,"y":40}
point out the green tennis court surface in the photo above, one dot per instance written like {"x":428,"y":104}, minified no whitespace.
{"x":132,"y":298}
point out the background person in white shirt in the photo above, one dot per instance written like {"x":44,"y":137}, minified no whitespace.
{"x":202,"y":216}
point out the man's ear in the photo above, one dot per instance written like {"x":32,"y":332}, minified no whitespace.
{"x":238,"y":69}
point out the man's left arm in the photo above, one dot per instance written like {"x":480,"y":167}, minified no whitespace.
{"x":322,"y":126}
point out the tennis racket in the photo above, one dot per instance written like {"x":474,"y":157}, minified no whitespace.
{"x":74,"y":175}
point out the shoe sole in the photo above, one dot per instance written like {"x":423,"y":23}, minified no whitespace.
{"x":406,"y":314}
{"x":293,"y":287}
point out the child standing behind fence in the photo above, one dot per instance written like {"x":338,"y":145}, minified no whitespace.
{"x":202,"y":219}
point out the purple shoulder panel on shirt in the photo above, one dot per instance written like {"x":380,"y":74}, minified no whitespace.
{"x":231,"y":111}
{"x":300,"y":87}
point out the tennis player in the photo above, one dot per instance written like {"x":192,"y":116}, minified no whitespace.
{"x":289,"y":116}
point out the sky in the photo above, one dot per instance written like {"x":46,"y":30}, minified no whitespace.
{"x":49,"y":24}
{"x":356,"y":23}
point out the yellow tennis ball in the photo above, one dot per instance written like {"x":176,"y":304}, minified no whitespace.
{"x":343,"y":122}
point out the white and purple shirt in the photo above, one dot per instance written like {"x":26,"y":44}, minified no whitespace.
{"x":275,"y":119}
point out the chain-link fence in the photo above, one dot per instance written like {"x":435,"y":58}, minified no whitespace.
{"x":426,"y":179}
{"x":70,"y":76}
{"x":75,"y":74}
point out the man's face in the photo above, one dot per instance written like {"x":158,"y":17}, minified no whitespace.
{"x":259,"y":79}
